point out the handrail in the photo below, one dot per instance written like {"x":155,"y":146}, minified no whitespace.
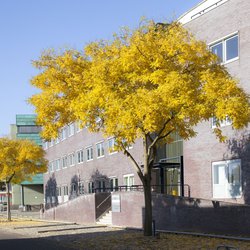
{"x":103,"y":201}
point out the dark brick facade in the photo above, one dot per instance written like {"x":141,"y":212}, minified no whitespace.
{"x":200,"y":152}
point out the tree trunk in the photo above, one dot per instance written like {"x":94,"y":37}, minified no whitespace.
{"x":148,"y":203}
{"x":8,"y":201}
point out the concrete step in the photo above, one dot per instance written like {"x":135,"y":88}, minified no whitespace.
{"x":106,"y":219}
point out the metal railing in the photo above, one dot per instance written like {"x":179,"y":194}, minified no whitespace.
{"x":173,"y":189}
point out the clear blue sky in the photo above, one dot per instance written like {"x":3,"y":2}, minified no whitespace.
{"x":27,"y":27}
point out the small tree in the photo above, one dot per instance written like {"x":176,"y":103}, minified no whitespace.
{"x":19,"y":160}
{"x":148,"y":83}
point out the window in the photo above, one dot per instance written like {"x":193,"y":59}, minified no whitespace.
{"x":129,"y":180}
{"x":57,"y":140}
{"x":78,"y":126}
{"x":73,"y":188}
{"x":45,"y":145}
{"x":227,"y":49}
{"x":79,"y":155}
{"x":65,"y":190}
{"x":51,"y":143}
{"x":100,"y":149}
{"x":227,"y":179}
{"x":63,"y":133}
{"x":89,"y":153}
{"x":223,"y":123}
{"x":101,"y":186}
{"x":51,"y":166}
{"x":64,"y":161}
{"x":57,"y":164}
{"x":58,"y":191}
{"x":113,"y":182}
{"x":91,"y":187}
{"x":71,"y":129}
{"x":111,"y":146}
{"x":81,"y":188}
{"x":71,"y":159}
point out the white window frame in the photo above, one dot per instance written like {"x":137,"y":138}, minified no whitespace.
{"x":71,"y":129}
{"x":77,"y":126}
{"x":80,"y":159}
{"x":224,"y":191}
{"x":102,"y":153}
{"x":45,"y":145}
{"x":63,"y":133}
{"x":111,"y":147}
{"x":51,"y":167}
{"x":91,"y":153}
{"x":130,"y":177}
{"x":71,"y":159}
{"x":57,"y":164}
{"x":64,"y":161}
{"x":223,"y":41}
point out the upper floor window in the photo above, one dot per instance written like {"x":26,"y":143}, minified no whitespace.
{"x":78,"y":126}
{"x":111,"y":146}
{"x":226,"y":122}
{"x":71,"y":159}
{"x":57,"y":164}
{"x":100,"y":149}
{"x":227,"y":49}
{"x":79,"y":156}
{"x":89,"y":153}
{"x":63,"y":133}
{"x":64,"y":161}
{"x":71,"y":129}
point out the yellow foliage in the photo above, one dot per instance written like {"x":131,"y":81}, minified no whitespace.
{"x":155,"y":79}
{"x":20,"y":159}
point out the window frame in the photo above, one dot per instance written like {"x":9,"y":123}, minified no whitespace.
{"x":101,"y":150}
{"x":227,"y":184}
{"x":224,"y":47}
{"x":91,"y":154}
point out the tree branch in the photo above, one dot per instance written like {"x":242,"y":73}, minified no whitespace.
{"x":157,"y":137}
{"x":137,"y":167}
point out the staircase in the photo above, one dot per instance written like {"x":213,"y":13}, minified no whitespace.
{"x":105,"y":219}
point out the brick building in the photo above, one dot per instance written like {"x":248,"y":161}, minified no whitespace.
{"x":80,"y":162}
{"x":221,"y":170}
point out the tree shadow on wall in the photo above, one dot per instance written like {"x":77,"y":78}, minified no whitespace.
{"x":100,"y":182}
{"x":74,"y":187}
{"x":240,"y":149}
{"x":51,"y":199}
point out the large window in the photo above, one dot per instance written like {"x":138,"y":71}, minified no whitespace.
{"x":227,"y":179}
{"x":227,"y":49}
{"x":100,"y":149}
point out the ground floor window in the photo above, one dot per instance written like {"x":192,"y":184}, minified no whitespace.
{"x":91,"y":187}
{"x":81,"y":188}
{"x":129,"y":180}
{"x":227,"y":179}
{"x":113,"y":181}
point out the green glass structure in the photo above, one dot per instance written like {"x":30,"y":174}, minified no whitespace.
{"x":28,"y":193}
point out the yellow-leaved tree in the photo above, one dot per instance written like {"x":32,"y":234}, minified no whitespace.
{"x":19,"y":161}
{"x":146,"y":83}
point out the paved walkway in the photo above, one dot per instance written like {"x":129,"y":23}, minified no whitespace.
{"x":50,"y":235}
